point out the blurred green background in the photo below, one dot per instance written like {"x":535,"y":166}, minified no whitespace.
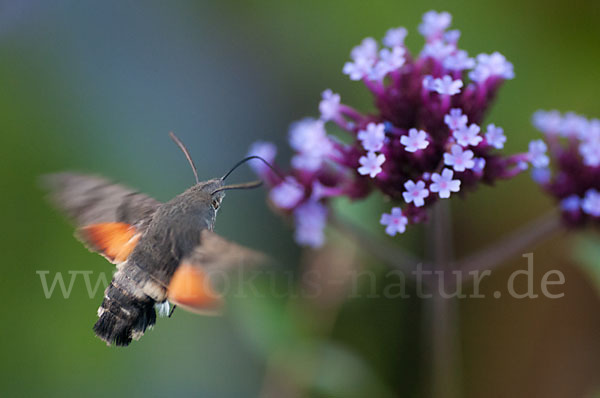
{"x":96,"y":86}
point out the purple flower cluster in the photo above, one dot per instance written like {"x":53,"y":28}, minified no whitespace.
{"x":573,"y":143}
{"x":424,"y":142}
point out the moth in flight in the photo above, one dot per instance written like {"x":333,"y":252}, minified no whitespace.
{"x":164,"y":252}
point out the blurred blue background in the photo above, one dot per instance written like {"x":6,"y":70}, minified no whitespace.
{"x":96,"y":87}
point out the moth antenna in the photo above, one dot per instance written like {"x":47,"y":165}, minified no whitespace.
{"x":186,"y":153}
{"x":245,"y":185}
{"x":241,"y":162}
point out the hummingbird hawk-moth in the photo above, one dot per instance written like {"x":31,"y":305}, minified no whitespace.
{"x":164,"y":252}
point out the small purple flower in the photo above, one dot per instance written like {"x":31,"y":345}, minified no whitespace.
{"x":395,"y":37}
{"x":373,"y":137}
{"x":428,"y":83}
{"x":591,"y":153}
{"x":395,"y":222}
{"x":459,"y":61}
{"x":573,"y":125}
{"x":593,"y":131}
{"x":522,"y":165}
{"x":287,"y":194}
{"x":452,"y":36}
{"x":307,"y":135}
{"x":329,"y":105}
{"x":495,"y":136}
{"x":571,"y":204}
{"x":537,"y":154}
{"x":309,"y":138}
{"x":364,"y":57}
{"x":455,"y":120}
{"x":389,"y":60}
{"x":459,"y":159}
{"x":591,"y":203}
{"x":437,"y":50}
{"x":358,"y":69}
{"x":371,"y":164}
{"x":310,"y":218}
{"x":366,"y":49}
{"x":444,"y":184}
{"x":415,"y":193}
{"x":416,"y":140}
{"x":434,"y":24}
{"x":447,"y":86}
{"x":267,"y":151}
{"x":547,"y":122}
{"x":466,"y":136}
{"x":541,"y":175}
{"x":490,"y":65}
{"x":479,"y":165}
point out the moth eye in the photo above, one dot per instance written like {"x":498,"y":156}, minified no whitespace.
{"x":216,"y":203}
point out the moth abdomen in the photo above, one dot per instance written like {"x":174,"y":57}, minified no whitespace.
{"x":125,"y":313}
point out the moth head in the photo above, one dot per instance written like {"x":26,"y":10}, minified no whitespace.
{"x":216,"y":187}
{"x":212,"y":190}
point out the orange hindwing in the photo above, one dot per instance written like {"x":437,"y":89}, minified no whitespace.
{"x":190,"y":288}
{"x":114,"y":240}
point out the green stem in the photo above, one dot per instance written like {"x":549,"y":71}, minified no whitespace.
{"x":443,"y":312}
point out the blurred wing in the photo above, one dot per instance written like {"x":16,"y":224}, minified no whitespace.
{"x":192,"y":286}
{"x":110,"y":217}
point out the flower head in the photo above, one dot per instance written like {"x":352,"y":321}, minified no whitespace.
{"x":570,"y":158}
{"x":395,"y":222}
{"x":427,"y":115}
